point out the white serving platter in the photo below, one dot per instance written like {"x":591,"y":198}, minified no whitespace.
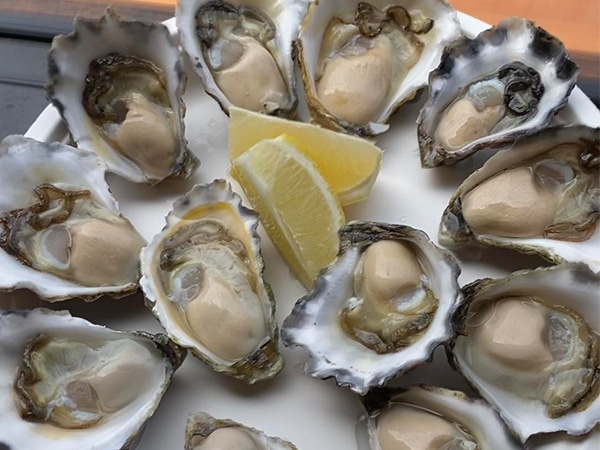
{"x":313,"y":414}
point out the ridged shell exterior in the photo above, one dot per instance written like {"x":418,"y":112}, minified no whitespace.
{"x":569,"y":285}
{"x":466,"y":60}
{"x":445,"y":29}
{"x":264,"y":362}
{"x":68,"y":64}
{"x":201,"y":425}
{"x":313,"y":322}
{"x":480,"y":420}
{"x":454,"y":231}
{"x":26,"y":164}
{"x":287,"y":16}
{"x":120,"y":432}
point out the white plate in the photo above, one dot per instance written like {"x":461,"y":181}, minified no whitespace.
{"x":313,"y":414}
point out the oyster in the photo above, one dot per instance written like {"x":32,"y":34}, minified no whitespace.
{"x":204,"y":432}
{"x":540,"y":196}
{"x":430,"y":417}
{"x":61,"y":232}
{"x":507,"y":82}
{"x":242,"y":50}
{"x":202,"y":277}
{"x":118,"y":85}
{"x":530,"y":346}
{"x":66,"y":383}
{"x":379,"y":309}
{"x":361,"y":60}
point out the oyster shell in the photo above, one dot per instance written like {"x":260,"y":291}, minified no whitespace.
{"x":430,"y":417}
{"x":202,"y":277}
{"x":61,"y":232}
{"x":118,"y":85}
{"x":530,"y":346}
{"x":204,"y":432}
{"x":541,"y":196}
{"x":67,"y":384}
{"x":242,"y":50}
{"x":379,"y":309}
{"x":507,"y":82}
{"x":361,"y":60}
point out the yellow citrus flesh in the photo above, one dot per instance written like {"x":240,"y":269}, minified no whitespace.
{"x":295,"y":204}
{"x":349,"y":164}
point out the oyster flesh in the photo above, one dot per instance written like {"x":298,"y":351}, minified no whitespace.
{"x":379,"y":309}
{"x":242,"y":50}
{"x":204,"y":432}
{"x":507,"y":82}
{"x":361,"y":60}
{"x":61,"y":232}
{"x":430,"y":417}
{"x":67,"y":384}
{"x":202,"y":278}
{"x":529,"y":344}
{"x":118,"y":85}
{"x":540,"y":196}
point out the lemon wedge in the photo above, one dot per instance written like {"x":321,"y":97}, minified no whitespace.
{"x":349,"y":164}
{"x":296,"y":205}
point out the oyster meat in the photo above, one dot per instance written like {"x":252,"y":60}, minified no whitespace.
{"x":118,"y":85}
{"x":204,"y":432}
{"x":530,"y":346}
{"x":242,"y":50}
{"x":540,"y":196}
{"x":430,"y":417}
{"x":61,"y":232}
{"x":66,"y":383}
{"x":202,"y":278}
{"x":361,"y":60}
{"x":379,"y":309}
{"x":507,"y":82}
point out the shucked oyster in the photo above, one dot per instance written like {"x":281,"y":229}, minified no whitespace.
{"x":540,"y":196}
{"x":530,"y":346}
{"x":242,"y":50}
{"x":427,"y":417}
{"x":66,"y":384}
{"x":361,"y":60}
{"x":379,"y":309}
{"x":118,"y":86}
{"x":507,"y":82}
{"x":61,"y":232}
{"x":202,"y":277}
{"x":204,"y":432}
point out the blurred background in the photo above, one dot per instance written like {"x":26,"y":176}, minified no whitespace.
{"x":27,"y":27}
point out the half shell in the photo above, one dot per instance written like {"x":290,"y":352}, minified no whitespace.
{"x":118,"y":85}
{"x":507,"y":82}
{"x":530,"y":346}
{"x":379,"y":310}
{"x":67,"y":384}
{"x":202,"y":277}
{"x":61,"y":232}
{"x":361,"y":60}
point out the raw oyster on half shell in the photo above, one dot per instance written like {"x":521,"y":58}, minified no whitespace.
{"x":118,"y":85}
{"x":204,"y":432}
{"x":242,"y":50}
{"x":202,"y":278}
{"x":380,"y":309}
{"x":507,"y":82}
{"x":361,"y":60}
{"x":61,"y":232}
{"x":430,"y":417}
{"x":67,"y":384}
{"x":529,"y":344}
{"x":540,"y":196}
